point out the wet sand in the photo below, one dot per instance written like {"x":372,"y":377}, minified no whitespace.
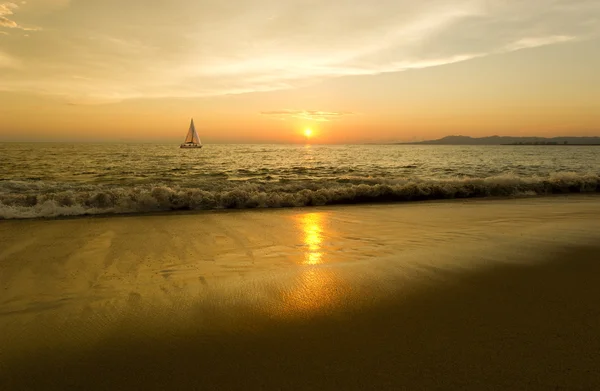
{"x":485,"y":294}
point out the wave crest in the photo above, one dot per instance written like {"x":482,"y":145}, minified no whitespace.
{"x":20,"y":200}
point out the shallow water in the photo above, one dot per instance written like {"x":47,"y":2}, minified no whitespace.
{"x":52,"y":179}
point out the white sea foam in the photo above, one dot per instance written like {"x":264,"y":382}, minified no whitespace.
{"x":19,"y":200}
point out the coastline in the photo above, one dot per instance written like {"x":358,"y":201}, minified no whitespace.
{"x":455,"y":294}
{"x":308,"y":208}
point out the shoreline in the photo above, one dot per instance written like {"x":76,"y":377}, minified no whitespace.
{"x":175,"y":212}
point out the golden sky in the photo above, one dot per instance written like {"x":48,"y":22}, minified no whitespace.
{"x":264,"y":70}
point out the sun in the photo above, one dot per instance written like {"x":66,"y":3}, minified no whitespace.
{"x":308,"y":132}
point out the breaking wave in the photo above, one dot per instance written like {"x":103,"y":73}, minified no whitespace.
{"x":21,"y":200}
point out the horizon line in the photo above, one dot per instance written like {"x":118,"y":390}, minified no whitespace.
{"x":174,"y":141}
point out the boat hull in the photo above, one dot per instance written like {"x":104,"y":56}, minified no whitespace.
{"x":190,"y":146}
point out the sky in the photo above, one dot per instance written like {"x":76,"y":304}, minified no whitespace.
{"x":265,"y":70}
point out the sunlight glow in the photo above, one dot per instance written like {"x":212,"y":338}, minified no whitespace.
{"x":315,"y":289}
{"x":312,"y":227}
{"x":308,"y":132}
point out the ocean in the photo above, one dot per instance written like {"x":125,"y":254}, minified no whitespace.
{"x":69,"y":179}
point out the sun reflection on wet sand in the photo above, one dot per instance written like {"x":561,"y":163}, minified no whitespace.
{"x":314,"y":291}
{"x":315,"y":288}
{"x":312,"y":226}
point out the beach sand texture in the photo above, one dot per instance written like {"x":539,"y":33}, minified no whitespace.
{"x":469,"y":295}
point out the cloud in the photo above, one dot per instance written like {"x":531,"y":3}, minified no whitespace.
{"x":533,"y":42}
{"x":126,"y":50}
{"x":312,"y":115}
{"x":5,"y":22}
{"x":7,"y":9}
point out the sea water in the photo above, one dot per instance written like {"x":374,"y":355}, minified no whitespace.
{"x":62,"y":179}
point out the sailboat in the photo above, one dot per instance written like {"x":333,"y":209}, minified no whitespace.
{"x":191,"y":140}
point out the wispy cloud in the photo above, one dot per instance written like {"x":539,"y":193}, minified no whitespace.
{"x":6,"y":11}
{"x":205,"y":48}
{"x":6,"y":8}
{"x":311,"y":115}
{"x":532,"y":42}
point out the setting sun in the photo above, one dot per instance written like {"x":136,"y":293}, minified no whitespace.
{"x":308,"y":132}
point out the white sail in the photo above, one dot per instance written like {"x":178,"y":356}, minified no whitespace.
{"x":192,"y":136}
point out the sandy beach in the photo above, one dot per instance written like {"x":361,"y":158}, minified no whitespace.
{"x":469,"y":295}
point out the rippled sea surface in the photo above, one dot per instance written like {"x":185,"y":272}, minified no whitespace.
{"x":51,"y":179}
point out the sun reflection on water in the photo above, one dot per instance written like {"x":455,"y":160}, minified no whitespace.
{"x":313,"y":288}
{"x":313,"y":291}
{"x":312,"y":226}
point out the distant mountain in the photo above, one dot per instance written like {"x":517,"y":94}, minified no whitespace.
{"x":507,"y":140}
